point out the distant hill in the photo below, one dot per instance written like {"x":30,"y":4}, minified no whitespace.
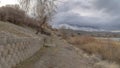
{"x":92,"y":33}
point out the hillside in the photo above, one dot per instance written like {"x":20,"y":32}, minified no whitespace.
{"x":16,"y":30}
{"x":41,"y":51}
{"x":107,"y":34}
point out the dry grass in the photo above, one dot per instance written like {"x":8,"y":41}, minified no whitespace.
{"x":107,"y":49}
{"x":104,"y":64}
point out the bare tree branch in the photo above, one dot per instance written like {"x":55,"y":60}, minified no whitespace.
{"x":43,"y":10}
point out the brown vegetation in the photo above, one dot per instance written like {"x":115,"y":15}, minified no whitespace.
{"x":107,"y":49}
{"x":13,"y":14}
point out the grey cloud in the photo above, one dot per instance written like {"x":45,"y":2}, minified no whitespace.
{"x":74,"y":19}
{"x":110,"y":7}
{"x":69,"y":5}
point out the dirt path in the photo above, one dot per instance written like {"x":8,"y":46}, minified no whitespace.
{"x":59,"y":56}
{"x":63,"y":55}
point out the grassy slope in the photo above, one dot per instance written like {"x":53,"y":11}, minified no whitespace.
{"x":16,"y":30}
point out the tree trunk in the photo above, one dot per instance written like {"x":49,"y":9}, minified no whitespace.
{"x":41,"y":27}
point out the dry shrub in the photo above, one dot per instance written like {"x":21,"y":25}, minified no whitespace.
{"x":77,"y":40}
{"x":104,"y":64}
{"x":13,"y":14}
{"x":108,"y":49}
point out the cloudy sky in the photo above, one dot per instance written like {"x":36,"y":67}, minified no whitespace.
{"x":89,"y":14}
{"x":4,"y":2}
{"x":85,"y":14}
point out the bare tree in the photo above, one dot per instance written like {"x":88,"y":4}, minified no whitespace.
{"x":43,"y":11}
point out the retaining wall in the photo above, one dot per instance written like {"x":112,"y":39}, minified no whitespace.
{"x":15,"y":50}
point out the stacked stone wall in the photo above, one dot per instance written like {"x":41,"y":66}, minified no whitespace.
{"x":15,"y":50}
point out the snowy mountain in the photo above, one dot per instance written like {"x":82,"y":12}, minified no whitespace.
{"x":77,"y":27}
